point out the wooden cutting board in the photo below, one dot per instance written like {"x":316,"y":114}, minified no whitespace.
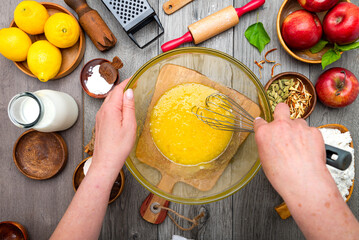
{"x":204,"y":176}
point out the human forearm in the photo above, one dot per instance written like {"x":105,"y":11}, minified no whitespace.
{"x":85,"y":214}
{"x":320,"y":211}
{"x":115,"y":136}
{"x":293,"y":158}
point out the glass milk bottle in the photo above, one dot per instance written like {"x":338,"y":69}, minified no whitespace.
{"x":44,"y":110}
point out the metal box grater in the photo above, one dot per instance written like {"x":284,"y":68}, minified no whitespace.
{"x":133,"y":15}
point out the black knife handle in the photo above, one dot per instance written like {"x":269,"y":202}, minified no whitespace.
{"x":344,"y":157}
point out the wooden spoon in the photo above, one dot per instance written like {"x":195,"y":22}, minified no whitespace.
{"x":109,"y":70}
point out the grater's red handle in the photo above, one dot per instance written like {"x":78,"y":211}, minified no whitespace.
{"x":252,"y":5}
{"x":177,"y":42}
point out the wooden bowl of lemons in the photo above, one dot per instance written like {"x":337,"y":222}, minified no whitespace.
{"x":71,"y":56}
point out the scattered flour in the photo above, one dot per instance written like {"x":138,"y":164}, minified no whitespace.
{"x":335,"y":138}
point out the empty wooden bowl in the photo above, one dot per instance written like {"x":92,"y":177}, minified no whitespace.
{"x":117,"y":187}
{"x":40,"y":155}
{"x":307,"y":83}
{"x":287,"y":8}
{"x":86,"y":72}
{"x":10,"y":230}
{"x":71,"y":57}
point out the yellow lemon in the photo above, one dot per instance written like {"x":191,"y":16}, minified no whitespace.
{"x":14,"y":44}
{"x":31,"y":16}
{"x":44,"y":60}
{"x":62,"y":30}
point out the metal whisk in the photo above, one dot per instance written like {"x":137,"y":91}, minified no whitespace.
{"x":238,"y":119}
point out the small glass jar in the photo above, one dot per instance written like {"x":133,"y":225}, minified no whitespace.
{"x":44,"y":110}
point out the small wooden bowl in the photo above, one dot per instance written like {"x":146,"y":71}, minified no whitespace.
{"x":308,"y":84}
{"x":40,"y":155}
{"x":71,"y":57}
{"x":10,"y":230}
{"x":84,"y":76}
{"x":306,"y":56}
{"x":342,"y":129}
{"x":117,"y":186}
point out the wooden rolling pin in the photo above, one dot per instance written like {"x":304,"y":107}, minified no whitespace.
{"x":212,"y":25}
{"x":93,"y":25}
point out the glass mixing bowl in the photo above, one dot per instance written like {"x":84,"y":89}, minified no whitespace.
{"x":221,"y":68}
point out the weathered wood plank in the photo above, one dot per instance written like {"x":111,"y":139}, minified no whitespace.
{"x":253,"y":207}
{"x":347,"y":116}
{"x":122,"y":220}
{"x":248,"y":214}
{"x":219,"y":225}
{"x":38,"y":205}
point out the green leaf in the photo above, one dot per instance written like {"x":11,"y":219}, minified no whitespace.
{"x":257,"y":36}
{"x":348,"y":47}
{"x":329,"y":57}
{"x":319,"y":46}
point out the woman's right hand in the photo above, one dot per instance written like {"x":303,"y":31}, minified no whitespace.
{"x":292,"y":153}
{"x":293,"y":158}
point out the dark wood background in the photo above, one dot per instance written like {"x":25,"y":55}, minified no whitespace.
{"x":248,"y":214}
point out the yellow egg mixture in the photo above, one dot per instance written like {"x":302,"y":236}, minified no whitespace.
{"x":177,"y":132}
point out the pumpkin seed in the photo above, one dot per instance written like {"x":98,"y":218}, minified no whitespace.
{"x":281,"y":84}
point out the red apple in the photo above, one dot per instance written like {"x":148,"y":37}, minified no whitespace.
{"x":301,"y":30}
{"x":337,"y":87}
{"x":341,"y":24}
{"x":317,"y":5}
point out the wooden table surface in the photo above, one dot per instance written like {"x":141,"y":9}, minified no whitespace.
{"x":248,"y":214}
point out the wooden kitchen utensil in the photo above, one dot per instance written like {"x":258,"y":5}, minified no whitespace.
{"x":202,"y":177}
{"x":12,"y":230}
{"x":212,"y":25}
{"x":282,"y":209}
{"x":93,"y":25}
{"x":109,"y":70}
{"x":172,"y":6}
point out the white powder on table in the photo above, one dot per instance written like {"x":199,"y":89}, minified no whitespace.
{"x":343,"y":179}
{"x":96,"y":83}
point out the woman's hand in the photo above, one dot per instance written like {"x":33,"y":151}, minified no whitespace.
{"x":293,"y":158}
{"x":115,"y":136}
{"x":292,"y":153}
{"x":115,"y":129}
